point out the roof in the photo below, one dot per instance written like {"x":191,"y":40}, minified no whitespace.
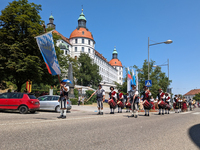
{"x":81,"y":32}
{"x":82,"y":16}
{"x":63,"y":38}
{"x":101,"y":56}
{"x":193,"y":92}
{"x":115,"y":62}
{"x":51,"y":17}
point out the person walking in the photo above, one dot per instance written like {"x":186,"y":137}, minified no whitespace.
{"x":79,"y":100}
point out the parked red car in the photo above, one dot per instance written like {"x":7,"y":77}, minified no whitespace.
{"x":19,"y":101}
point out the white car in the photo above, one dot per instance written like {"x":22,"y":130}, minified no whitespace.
{"x":50,"y":102}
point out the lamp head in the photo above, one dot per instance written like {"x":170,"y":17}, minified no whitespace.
{"x":168,"y":42}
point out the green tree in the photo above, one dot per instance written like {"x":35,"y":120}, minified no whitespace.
{"x":159,"y":78}
{"x":88,"y":72}
{"x":20,"y":59}
{"x":197,"y":97}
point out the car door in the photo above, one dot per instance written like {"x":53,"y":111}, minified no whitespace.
{"x":43,"y":102}
{"x":4,"y":101}
{"x":49,"y":102}
{"x":54,"y":102}
{"x":14,"y":100}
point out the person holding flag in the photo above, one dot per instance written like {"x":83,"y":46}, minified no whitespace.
{"x":63,"y":98}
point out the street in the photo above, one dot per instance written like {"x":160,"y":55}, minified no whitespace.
{"x":85,"y":130}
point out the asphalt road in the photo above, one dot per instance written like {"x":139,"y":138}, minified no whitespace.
{"x":84,"y":130}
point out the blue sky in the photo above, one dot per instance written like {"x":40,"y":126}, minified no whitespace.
{"x":127,"y":25}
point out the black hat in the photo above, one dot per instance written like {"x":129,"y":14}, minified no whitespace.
{"x":100,"y":85}
{"x":133,"y":85}
{"x":112,"y":87}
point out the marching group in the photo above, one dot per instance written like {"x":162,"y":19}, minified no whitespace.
{"x":132,"y":101}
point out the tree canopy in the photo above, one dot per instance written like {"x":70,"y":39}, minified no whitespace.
{"x":88,"y":73}
{"x":197,"y":97}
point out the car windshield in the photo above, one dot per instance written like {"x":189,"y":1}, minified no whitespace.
{"x":31,"y":96}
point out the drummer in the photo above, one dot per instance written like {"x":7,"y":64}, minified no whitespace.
{"x":146,"y":96}
{"x":160,"y":97}
{"x":113,"y":95}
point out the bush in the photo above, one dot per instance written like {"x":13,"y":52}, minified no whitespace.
{"x":76,"y":93}
{"x":74,"y":101}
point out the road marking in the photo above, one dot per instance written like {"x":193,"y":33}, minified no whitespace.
{"x":33,"y":122}
{"x":196,"y":113}
{"x":183,"y":113}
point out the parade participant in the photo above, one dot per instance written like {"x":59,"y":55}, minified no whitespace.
{"x":113,"y":97}
{"x":126,"y":102}
{"x":190,"y":104}
{"x":63,"y":98}
{"x":174,"y":103}
{"x":184,"y":107}
{"x":120,"y":98}
{"x":160,"y":97}
{"x":179,"y":103}
{"x":167,"y":100}
{"x":100,"y":93}
{"x":146,"y":96}
{"x":152,"y":102}
{"x":133,"y":99}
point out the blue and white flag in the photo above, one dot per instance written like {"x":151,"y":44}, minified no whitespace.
{"x":47,"y":49}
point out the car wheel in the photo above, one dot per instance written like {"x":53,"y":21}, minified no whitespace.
{"x":57,"y":109}
{"x":32,"y":111}
{"x":23,"y":109}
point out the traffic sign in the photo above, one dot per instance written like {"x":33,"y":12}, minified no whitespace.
{"x":148,"y":83}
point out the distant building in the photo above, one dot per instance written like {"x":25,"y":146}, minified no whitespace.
{"x":189,"y":95}
{"x":81,"y":41}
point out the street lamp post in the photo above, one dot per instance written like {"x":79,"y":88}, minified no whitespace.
{"x":166,"y":42}
{"x":167,"y":67}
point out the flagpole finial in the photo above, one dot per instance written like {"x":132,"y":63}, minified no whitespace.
{"x":82,"y":8}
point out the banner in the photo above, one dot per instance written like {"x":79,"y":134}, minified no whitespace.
{"x":129,"y":80}
{"x":47,"y":49}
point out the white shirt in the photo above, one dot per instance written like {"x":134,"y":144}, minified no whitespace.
{"x":66,"y":86}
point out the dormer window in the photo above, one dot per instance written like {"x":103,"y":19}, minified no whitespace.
{"x":88,"y":42}
{"x":82,"y":32}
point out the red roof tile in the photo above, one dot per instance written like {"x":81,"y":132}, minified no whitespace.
{"x":64,"y":38}
{"x":193,"y":92}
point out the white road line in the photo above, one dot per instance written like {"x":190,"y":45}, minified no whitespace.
{"x":196,"y":113}
{"x":183,"y":113}
{"x":57,"y":120}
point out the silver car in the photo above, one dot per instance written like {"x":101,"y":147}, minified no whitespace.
{"x":50,"y":102}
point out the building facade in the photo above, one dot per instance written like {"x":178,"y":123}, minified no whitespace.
{"x":81,"y":41}
{"x":189,"y":95}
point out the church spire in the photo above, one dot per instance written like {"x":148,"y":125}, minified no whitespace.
{"x":51,"y":24}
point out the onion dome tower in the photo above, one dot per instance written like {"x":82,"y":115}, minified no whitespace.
{"x":116,"y":63}
{"x":51,"y":24}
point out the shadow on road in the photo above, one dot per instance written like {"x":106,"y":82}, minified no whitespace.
{"x":194,"y":133}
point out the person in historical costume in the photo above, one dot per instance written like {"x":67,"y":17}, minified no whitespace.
{"x":113,"y":97}
{"x":179,"y":103}
{"x":184,"y":105}
{"x":126,"y":103}
{"x":167,"y":100}
{"x":100,"y":93}
{"x":152,"y":102}
{"x":174,"y":103}
{"x":160,"y":97}
{"x":63,"y":98}
{"x":134,"y":100}
{"x":146,"y":97}
{"x":120,"y":98}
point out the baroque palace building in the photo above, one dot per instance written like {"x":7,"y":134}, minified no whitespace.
{"x":81,"y":41}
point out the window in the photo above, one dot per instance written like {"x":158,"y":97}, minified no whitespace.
{"x":119,"y":78}
{"x":83,"y":41}
{"x":82,"y":32}
{"x":65,"y":52}
{"x":4,"y":95}
{"x":75,"y":49}
{"x":88,"y":50}
{"x":44,"y":98}
{"x":82,"y":49}
{"x":76,"y":41}
{"x":16,"y":95}
{"x":31,"y":96}
{"x":88,"y":42}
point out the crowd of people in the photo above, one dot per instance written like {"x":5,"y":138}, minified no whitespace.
{"x":133,"y":102}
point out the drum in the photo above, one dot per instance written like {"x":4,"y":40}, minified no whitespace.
{"x":169,"y":107}
{"x":162,"y":104}
{"x":147,"y":105}
{"x":112,"y":103}
{"x":120,"y":104}
{"x":128,"y":105}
